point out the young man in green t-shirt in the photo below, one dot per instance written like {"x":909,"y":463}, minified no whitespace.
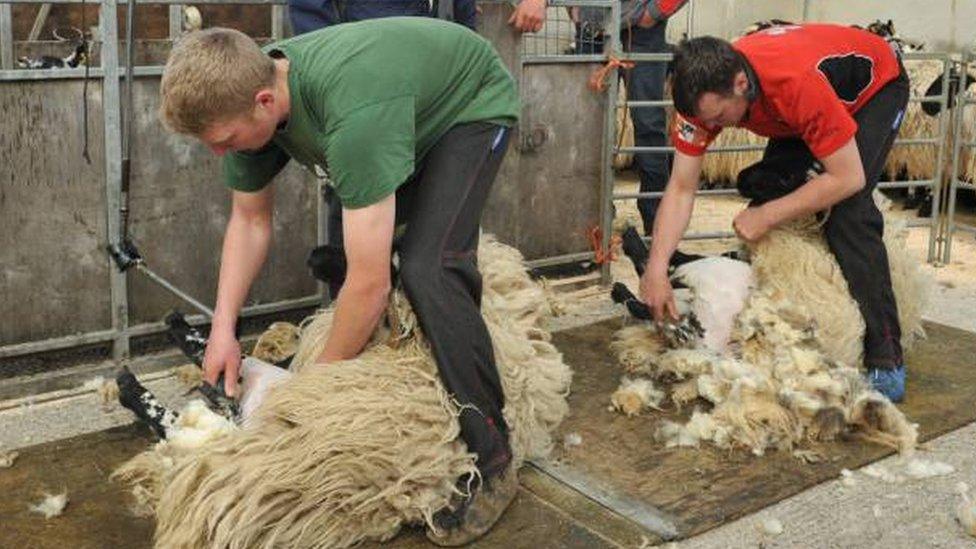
{"x":409,"y":117}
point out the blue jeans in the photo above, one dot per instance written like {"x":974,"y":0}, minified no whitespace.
{"x":645,"y":82}
{"x":309,"y":15}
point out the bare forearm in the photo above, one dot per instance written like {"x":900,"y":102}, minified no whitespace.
{"x":816,"y":195}
{"x":358,"y":310}
{"x":670,"y":223}
{"x":246,"y":244}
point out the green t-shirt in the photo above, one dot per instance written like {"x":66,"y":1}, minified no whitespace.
{"x":369,"y":99}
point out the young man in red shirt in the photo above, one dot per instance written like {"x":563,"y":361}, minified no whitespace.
{"x":830,"y":98}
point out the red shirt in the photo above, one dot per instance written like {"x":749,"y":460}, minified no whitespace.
{"x":811,"y":79}
{"x":662,"y":9}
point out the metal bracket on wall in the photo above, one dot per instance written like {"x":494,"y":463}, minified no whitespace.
{"x":533,"y":138}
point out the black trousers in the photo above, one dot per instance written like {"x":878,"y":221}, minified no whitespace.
{"x":855,"y":227}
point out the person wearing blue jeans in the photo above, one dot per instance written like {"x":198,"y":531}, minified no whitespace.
{"x":642,"y":32}
{"x":645,"y":82}
{"x":309,"y":15}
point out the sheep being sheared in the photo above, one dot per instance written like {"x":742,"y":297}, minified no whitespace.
{"x":786,"y":372}
{"x":719,"y":287}
{"x":351,"y":451}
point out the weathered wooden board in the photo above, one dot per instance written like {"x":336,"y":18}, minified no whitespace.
{"x":54,"y":270}
{"x":703,"y":488}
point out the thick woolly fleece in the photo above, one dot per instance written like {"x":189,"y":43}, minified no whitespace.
{"x":354,"y":450}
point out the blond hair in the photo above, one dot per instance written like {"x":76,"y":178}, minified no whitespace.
{"x":212,"y":75}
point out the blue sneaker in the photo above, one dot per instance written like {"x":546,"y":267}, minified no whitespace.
{"x":889,"y":381}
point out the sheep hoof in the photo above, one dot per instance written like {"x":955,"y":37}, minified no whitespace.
{"x":828,"y":424}
{"x":872,"y":414}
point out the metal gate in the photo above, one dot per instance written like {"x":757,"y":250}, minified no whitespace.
{"x":963,"y":174}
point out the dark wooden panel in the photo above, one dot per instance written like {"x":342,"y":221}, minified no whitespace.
{"x":704,"y":488}
{"x":97,"y":514}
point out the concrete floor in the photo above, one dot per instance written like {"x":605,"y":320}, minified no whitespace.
{"x":871,"y":513}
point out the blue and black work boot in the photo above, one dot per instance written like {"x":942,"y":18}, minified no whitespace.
{"x":889,"y":381}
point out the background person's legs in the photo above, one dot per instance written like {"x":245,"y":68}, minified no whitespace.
{"x":309,"y":15}
{"x":645,"y":82}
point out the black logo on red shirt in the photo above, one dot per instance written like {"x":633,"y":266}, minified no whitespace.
{"x":848,"y":74}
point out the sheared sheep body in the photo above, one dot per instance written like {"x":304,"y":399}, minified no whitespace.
{"x":720,"y":286}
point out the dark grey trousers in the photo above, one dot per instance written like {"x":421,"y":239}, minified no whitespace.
{"x":440,"y":208}
{"x":438,"y":252}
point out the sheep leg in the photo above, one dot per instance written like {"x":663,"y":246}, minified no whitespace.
{"x":192,"y":343}
{"x":143,"y":403}
{"x":828,"y":424}
{"x":635,"y":249}
{"x":637,"y":308}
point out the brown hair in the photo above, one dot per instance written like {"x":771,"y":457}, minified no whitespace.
{"x":212,"y":75}
{"x":702,"y":65}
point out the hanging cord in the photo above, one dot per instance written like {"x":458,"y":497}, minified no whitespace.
{"x":598,"y":80}
{"x":603,"y":255}
{"x":623,"y":131}
{"x":86,"y":45}
{"x":127,"y":111}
